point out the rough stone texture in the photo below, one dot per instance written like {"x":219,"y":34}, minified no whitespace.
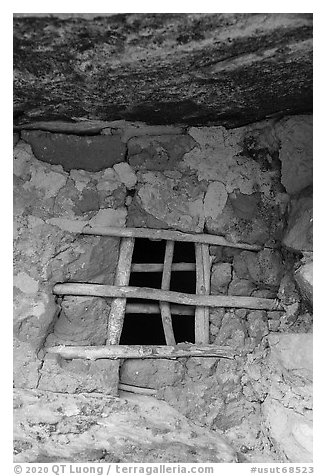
{"x":299,"y":233}
{"x":290,"y":417}
{"x":211,"y":394}
{"x":109,"y":217}
{"x":163,"y":201}
{"x":190,"y":68}
{"x":304,"y":279}
{"x":151,"y":374}
{"x":75,"y":152}
{"x":215,"y":321}
{"x":265,"y":267}
{"x":257,"y":325}
{"x":93,"y":428}
{"x":284,"y":348}
{"x":215,"y":200}
{"x":281,"y":378}
{"x":287,"y":292}
{"x":240,"y":266}
{"x":158,"y":153}
{"x":126,"y":174}
{"x":264,"y":293}
{"x":295,"y":135}
{"x":232,"y":331}
{"x":291,"y":431}
{"x":231,"y":178}
{"x":221,"y":275}
{"x":244,"y":177}
{"x":241,"y":287}
{"x":217,"y":157}
{"x":47,"y":250}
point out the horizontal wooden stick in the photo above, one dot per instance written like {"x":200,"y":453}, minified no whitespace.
{"x":142,"y":351}
{"x":104,"y":290}
{"x":143,"y":308}
{"x":158,"y":267}
{"x":82,"y":127}
{"x":165,"y":235}
{"x":135,"y":389}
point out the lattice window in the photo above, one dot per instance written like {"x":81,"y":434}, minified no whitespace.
{"x":121,"y":290}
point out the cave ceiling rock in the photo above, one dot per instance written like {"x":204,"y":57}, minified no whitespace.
{"x":226,"y":69}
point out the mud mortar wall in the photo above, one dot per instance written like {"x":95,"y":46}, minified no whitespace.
{"x":251,"y":184}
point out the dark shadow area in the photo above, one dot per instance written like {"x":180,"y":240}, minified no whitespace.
{"x":147,"y":329}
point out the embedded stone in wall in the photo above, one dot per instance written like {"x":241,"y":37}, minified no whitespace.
{"x":126,"y":174}
{"x":92,"y":153}
{"x":226,"y":225}
{"x":109,"y":217}
{"x":215,"y":200}
{"x":215,"y":321}
{"x":299,"y":233}
{"x":240,"y":266}
{"x":241,"y":287}
{"x":221,"y":275}
{"x":232,"y":331}
{"x":265,"y":267}
{"x":266,"y":226}
{"x":244,"y":206}
{"x":158,"y":153}
{"x":295,"y":135}
{"x":168,"y":201}
{"x":219,"y":156}
{"x":257,"y":325}
{"x":287,"y":292}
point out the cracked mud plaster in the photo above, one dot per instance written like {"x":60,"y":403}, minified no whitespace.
{"x":218,"y":157}
{"x":50,"y":207}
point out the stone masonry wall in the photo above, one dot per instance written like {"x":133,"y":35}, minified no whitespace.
{"x":251,"y":184}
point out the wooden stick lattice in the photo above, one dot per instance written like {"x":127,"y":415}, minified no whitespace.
{"x":171,"y":235}
{"x":118,"y":305}
{"x":183,"y":304}
{"x":104,"y":290}
{"x":165,"y":306}
{"x":202,"y":287}
{"x":142,"y":351}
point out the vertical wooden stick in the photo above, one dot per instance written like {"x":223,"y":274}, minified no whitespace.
{"x":207,"y":283}
{"x":118,"y":305}
{"x":201,"y":314}
{"x":165,"y":306}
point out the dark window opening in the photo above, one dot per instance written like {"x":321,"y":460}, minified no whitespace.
{"x":147,"y":329}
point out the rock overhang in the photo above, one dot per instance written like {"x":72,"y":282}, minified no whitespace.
{"x":194,"y":69}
